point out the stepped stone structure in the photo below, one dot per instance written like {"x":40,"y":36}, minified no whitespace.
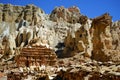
{"x":36,"y":56}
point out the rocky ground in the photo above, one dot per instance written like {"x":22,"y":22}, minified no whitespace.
{"x":86,"y":49}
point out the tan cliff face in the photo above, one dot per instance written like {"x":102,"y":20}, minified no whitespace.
{"x":95,"y":40}
{"x":102,"y":40}
{"x":62,"y":45}
{"x":80,"y":42}
{"x":10,"y":13}
{"x":65,"y":30}
{"x":115,"y":32}
{"x":71,"y":14}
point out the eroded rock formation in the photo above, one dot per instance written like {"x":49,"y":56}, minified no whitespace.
{"x":102,"y":41}
{"x":115,"y":32}
{"x":71,"y":14}
{"x":65,"y":29}
{"x":10,"y":13}
{"x":69,"y":33}
{"x":93,"y":39}
{"x":79,"y":41}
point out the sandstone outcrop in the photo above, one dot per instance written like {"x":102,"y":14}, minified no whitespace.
{"x":101,"y":37}
{"x":79,"y":41}
{"x":88,"y":48}
{"x":94,"y":39}
{"x":70,"y":15}
{"x":66,"y":30}
{"x":115,"y":32}
{"x":17,"y":14}
{"x":89,"y":37}
{"x":102,"y":40}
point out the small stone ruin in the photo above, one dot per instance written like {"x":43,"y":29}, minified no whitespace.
{"x":36,"y":56}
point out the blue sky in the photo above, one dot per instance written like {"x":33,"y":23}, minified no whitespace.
{"x":90,"y":8}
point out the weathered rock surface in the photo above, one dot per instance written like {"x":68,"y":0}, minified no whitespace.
{"x":93,"y":39}
{"x":71,"y":14}
{"x":10,"y":13}
{"x":80,"y":68}
{"x":79,"y":41}
{"x":102,"y":41}
{"x":96,"y":38}
{"x":72,"y":35}
{"x":77,"y":74}
{"x":115,"y":32}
